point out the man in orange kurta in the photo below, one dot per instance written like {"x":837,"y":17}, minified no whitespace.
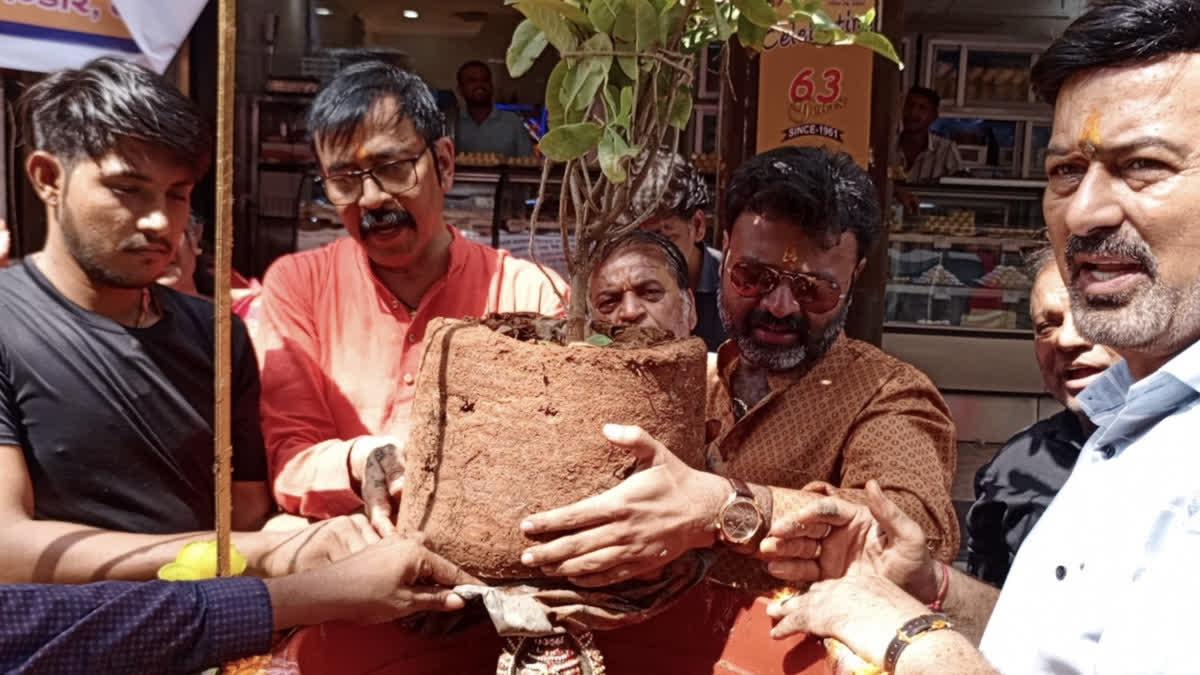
{"x":342,"y":326}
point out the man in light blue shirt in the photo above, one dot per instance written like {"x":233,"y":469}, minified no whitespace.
{"x":1107,"y":582}
{"x":481,"y":127}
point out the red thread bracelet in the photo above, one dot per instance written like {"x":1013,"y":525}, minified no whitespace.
{"x":943,"y":587}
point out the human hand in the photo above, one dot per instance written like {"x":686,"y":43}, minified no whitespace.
{"x":912,"y":204}
{"x":876,"y":539}
{"x":377,"y":464}
{"x":651,"y":518}
{"x":862,"y":611}
{"x":393,"y":578}
{"x":315,"y":546}
{"x":5,"y":242}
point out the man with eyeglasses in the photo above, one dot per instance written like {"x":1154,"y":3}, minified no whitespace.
{"x":342,"y":326}
{"x":797,"y":409}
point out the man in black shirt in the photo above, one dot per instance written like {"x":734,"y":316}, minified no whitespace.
{"x":106,"y":379}
{"x":1015,"y":487}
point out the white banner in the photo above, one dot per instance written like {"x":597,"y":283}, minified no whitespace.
{"x":45,"y":35}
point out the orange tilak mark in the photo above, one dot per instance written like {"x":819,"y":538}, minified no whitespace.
{"x":790,"y":257}
{"x":1089,"y":140}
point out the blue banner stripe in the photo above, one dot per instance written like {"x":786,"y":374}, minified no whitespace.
{"x":28,"y":30}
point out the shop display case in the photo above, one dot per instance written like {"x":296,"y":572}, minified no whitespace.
{"x":959,"y":263}
{"x":988,"y":106}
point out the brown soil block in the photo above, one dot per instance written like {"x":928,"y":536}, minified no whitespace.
{"x":507,"y":422}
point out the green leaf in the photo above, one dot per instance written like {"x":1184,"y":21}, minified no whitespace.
{"x":554,"y":88}
{"x":720,"y":21}
{"x":603,"y":14}
{"x":758,"y":12}
{"x":624,"y":34}
{"x":528,"y":43}
{"x":822,"y":20}
{"x":587,"y":74}
{"x":610,"y":102}
{"x":880,"y":45}
{"x":599,"y":339}
{"x":569,"y":11}
{"x":867,"y":20}
{"x":557,"y":29}
{"x":670,"y":22}
{"x":611,"y":151}
{"x":625,"y":116}
{"x":645,"y":21}
{"x":681,"y":109}
{"x":571,"y":141}
{"x":750,"y":34}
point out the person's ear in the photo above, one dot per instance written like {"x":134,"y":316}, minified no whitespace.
{"x":48,"y":176}
{"x":699,"y":226}
{"x":443,"y":152}
{"x":862,"y":263}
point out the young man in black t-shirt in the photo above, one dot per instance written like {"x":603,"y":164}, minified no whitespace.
{"x":106,"y":379}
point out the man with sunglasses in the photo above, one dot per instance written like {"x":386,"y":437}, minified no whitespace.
{"x":797,"y":409}
{"x":342,"y":326}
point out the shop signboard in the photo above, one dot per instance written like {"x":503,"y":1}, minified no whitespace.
{"x":816,"y":95}
{"x":45,"y":35}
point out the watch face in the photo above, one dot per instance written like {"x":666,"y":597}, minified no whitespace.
{"x":740,"y":521}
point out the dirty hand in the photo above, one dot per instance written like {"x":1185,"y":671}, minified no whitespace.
{"x":862,"y":611}
{"x":315,"y":546}
{"x":661,"y":511}
{"x":392,"y":578}
{"x":377,"y":465}
{"x":876,"y":539}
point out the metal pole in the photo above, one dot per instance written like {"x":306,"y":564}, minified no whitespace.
{"x":226,"y":57}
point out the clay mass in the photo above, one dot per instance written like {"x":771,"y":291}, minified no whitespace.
{"x":507,"y":422}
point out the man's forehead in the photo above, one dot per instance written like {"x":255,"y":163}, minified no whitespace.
{"x":791,"y":244}
{"x":1131,"y":100}
{"x":144,"y":161}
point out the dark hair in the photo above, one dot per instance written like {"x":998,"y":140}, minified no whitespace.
{"x":1115,"y":33}
{"x":928,"y":93}
{"x":685,"y":191}
{"x":676,"y":263}
{"x":471,"y":64}
{"x":90,"y":111}
{"x":1038,"y":259}
{"x":824,"y":193}
{"x":346,"y":100}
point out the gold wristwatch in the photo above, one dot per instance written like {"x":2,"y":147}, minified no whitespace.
{"x":740,"y":519}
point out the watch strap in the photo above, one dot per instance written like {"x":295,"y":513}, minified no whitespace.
{"x":910,"y":631}
{"x":740,"y":488}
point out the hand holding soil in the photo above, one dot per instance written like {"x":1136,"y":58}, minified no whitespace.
{"x":377,"y":463}
{"x":651,"y":518}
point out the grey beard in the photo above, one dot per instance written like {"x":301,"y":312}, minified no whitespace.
{"x":777,"y":359}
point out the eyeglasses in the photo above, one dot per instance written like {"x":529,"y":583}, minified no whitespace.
{"x":754,"y":280}
{"x":395,"y":177}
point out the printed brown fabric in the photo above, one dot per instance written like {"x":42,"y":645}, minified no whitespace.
{"x":857,"y":414}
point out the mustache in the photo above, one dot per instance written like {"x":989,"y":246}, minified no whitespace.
{"x":141,"y":240}
{"x":1109,"y":243}
{"x":379,"y":219}
{"x":792,"y":323}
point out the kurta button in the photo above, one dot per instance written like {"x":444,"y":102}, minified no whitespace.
{"x":1108,"y":451}
{"x":412,"y":337}
{"x":395,"y":304}
{"x":408,"y":378}
{"x":1060,"y":572}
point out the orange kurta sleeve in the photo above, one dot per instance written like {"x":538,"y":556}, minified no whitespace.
{"x":308,"y":462}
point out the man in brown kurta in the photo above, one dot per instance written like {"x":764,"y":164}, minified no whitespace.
{"x":854,"y":415}
{"x":797,"y":409}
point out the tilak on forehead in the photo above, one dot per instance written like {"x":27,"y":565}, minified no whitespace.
{"x":790,"y":256}
{"x":1089,"y":136}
